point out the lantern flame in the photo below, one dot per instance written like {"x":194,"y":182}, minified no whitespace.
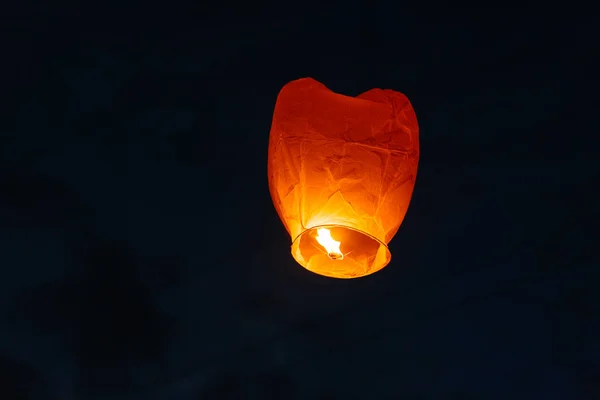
{"x":331,"y":245}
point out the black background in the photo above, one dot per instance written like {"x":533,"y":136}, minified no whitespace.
{"x":141,"y":256}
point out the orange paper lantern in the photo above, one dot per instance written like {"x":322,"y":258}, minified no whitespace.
{"x":341,"y":174}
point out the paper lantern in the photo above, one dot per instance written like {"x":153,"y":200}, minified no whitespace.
{"x":341,"y":174}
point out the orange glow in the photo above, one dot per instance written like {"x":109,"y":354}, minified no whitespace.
{"x":341,"y":174}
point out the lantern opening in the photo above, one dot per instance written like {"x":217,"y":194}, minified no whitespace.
{"x":340,"y":251}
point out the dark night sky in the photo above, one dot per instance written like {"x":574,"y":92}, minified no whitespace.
{"x":141,"y":256}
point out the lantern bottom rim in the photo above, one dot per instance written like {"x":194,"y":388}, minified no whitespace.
{"x":352,"y":253}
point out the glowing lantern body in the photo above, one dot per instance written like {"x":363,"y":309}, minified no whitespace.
{"x":341,"y":174}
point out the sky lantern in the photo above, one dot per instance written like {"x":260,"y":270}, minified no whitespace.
{"x":341,"y":174}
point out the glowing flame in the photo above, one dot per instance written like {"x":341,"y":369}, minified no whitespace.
{"x":331,"y":246}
